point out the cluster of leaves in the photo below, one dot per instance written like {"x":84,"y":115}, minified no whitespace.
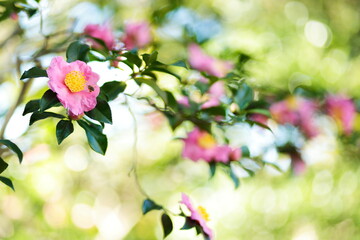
{"x":8,"y":145}
{"x":166,"y":222}
{"x":14,"y":7}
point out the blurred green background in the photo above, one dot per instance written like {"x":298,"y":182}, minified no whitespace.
{"x":69,"y":192}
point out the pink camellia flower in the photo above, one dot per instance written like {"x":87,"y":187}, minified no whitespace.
{"x":257,"y":117}
{"x":75,"y":85}
{"x":200,"y":145}
{"x":199,"y":216}
{"x":204,"y":63}
{"x":216,"y":91}
{"x":102,"y":32}
{"x":14,"y":16}
{"x":296,"y":111}
{"x":343,"y":111}
{"x":137,"y":35}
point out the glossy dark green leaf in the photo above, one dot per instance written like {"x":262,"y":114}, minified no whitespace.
{"x":245,"y":152}
{"x":63,"y":129}
{"x":264,"y":112}
{"x":36,"y":116}
{"x":13,"y":147}
{"x":259,"y":124}
{"x":149,"y":205}
{"x":166,"y":224}
{"x":234,"y":178}
{"x":215,"y":111}
{"x":77,"y":51}
{"x":96,"y":139}
{"x":180,"y":63}
{"x":7,"y":182}
{"x":31,"y":106}
{"x":212,"y":166}
{"x":113,"y":89}
{"x":34,"y":72}
{"x":3,"y":165}
{"x":189,"y":223}
{"x":101,"y":112}
{"x":154,"y":86}
{"x":133,"y":58}
{"x":48,"y":100}
{"x":171,"y":101}
{"x":150,"y":58}
{"x":244,"y":96}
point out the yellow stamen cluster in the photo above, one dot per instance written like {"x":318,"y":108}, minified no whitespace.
{"x":75,"y":81}
{"x":206,"y":141}
{"x":203,"y":213}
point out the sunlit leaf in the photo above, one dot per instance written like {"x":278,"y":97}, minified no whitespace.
{"x":34,"y":72}
{"x":48,"y":100}
{"x":31,"y":106}
{"x":149,"y":205}
{"x":12,"y":146}
{"x":96,"y":139}
{"x":7,"y":182}
{"x":63,"y":129}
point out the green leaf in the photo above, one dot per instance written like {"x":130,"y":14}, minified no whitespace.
{"x":259,"y":124}
{"x":36,"y":116}
{"x":234,"y":178}
{"x":101,"y":112}
{"x":7,"y":182}
{"x":215,"y":111}
{"x":166,"y":224}
{"x":77,"y":51}
{"x":34,"y":72}
{"x":244,"y":96}
{"x":189,"y":223}
{"x":154,"y":86}
{"x":113,"y":89}
{"x":3,"y":165}
{"x":261,"y":111}
{"x":171,"y":101}
{"x":212,"y":166}
{"x":31,"y":106}
{"x":180,"y":63}
{"x":63,"y":129}
{"x":245,"y":152}
{"x":133,"y":58}
{"x":12,"y":146}
{"x":149,"y":205}
{"x":96,"y":139}
{"x":150,"y":58}
{"x":48,"y":100}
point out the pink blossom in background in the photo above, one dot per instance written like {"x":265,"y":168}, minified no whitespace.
{"x":297,"y":163}
{"x":200,"y":145}
{"x":296,"y":111}
{"x":343,"y":111}
{"x":204,"y":63}
{"x":137,"y":35}
{"x":257,"y":117}
{"x":14,"y":16}
{"x":103,"y":32}
{"x":198,"y":215}
{"x":184,"y":101}
{"x":216,"y":92}
{"x":75,"y":85}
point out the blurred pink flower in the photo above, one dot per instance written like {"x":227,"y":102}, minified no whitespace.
{"x":204,"y":63}
{"x":199,"y":215}
{"x":102,"y":32}
{"x":296,"y":111}
{"x":184,"y":101}
{"x":75,"y":85}
{"x":216,"y":91}
{"x":137,"y":35}
{"x":343,"y":111}
{"x":14,"y":16}
{"x":257,"y":117}
{"x":201,"y":145}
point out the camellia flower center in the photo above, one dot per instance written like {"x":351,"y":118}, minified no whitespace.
{"x":203,"y":213}
{"x":206,"y":141}
{"x":75,"y":81}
